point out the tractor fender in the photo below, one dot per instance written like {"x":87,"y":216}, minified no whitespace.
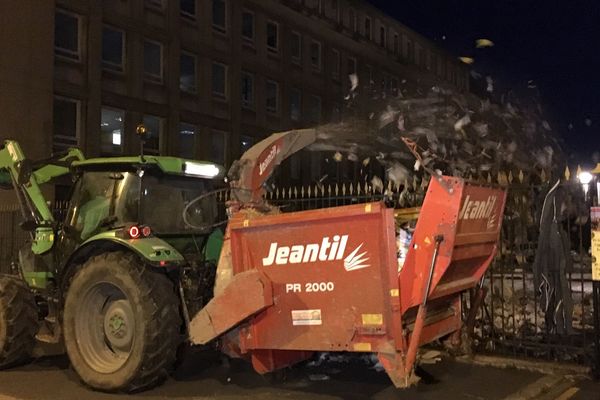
{"x":153,"y":251}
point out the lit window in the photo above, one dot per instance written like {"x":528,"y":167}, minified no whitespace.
{"x":217,"y":147}
{"x":111,"y":131}
{"x":296,"y":47}
{"x":247,"y":89}
{"x":246,"y":143}
{"x":314,"y":109}
{"x":65,"y":123}
{"x":153,"y":61}
{"x":187,"y":77}
{"x":219,"y":80}
{"x":272,"y":37}
{"x":66,"y":35}
{"x":219,"y":14}
{"x":295,"y":105}
{"x":187,"y":134}
{"x":188,"y":8}
{"x":248,"y":26}
{"x":335,"y":66}
{"x":272,"y":96}
{"x":113,"y":49}
{"x":315,"y":54}
{"x":153,"y":134}
{"x":368,"y":33}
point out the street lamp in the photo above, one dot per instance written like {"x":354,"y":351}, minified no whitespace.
{"x":585,"y":178}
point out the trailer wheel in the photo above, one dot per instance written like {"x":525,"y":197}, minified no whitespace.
{"x":18,"y":322}
{"x":121,"y":324}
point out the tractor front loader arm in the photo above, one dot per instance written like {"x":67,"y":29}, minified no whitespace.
{"x":26,"y":176}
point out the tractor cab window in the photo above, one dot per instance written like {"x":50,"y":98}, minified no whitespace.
{"x":175,"y":205}
{"x":102,"y":200}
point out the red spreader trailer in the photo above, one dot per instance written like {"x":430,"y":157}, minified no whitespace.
{"x":328,"y":280}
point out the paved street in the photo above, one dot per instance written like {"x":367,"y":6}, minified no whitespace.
{"x":204,"y":376}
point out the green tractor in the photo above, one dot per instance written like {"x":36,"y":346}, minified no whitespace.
{"x":116,"y":279}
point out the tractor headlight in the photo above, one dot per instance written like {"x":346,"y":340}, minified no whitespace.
{"x":202,"y":170}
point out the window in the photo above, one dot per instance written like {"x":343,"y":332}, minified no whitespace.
{"x":352,"y":20}
{"x":153,"y":134}
{"x":245,"y":143}
{"x":219,"y":80}
{"x":272,"y":37}
{"x":336,"y":113}
{"x":351,"y":65}
{"x":315,"y":54}
{"x":65,"y":124}
{"x":248,"y":26}
{"x":217,"y":147}
{"x":334,"y":7}
{"x":272,"y":96}
{"x":314,"y":109}
{"x":335,"y":66}
{"x":219,"y":14}
{"x":370,"y":78}
{"x":394,"y":86}
{"x":187,"y":73}
{"x":368,"y":33}
{"x":295,"y":105}
{"x":66,"y":35}
{"x":153,"y":69}
{"x":296,"y":46}
{"x":396,"y":44}
{"x":188,"y":8}
{"x":187,"y":134}
{"x":247,"y":89}
{"x":111,"y":131}
{"x":382,"y":37}
{"x":113,"y":49}
{"x":410,"y":51}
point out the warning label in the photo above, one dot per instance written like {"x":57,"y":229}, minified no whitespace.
{"x":306,"y":317}
{"x":595,"y":243}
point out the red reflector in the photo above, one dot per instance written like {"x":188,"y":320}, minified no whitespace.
{"x":134,"y":232}
{"x":163,"y":263}
{"x":146,"y":231}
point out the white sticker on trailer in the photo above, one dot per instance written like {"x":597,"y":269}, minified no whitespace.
{"x":306,"y":317}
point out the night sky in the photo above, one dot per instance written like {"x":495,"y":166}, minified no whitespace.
{"x":555,"y":43}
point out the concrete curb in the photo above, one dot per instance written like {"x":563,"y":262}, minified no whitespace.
{"x":537,"y":388}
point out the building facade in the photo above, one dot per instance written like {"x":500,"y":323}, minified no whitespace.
{"x":207,"y":77}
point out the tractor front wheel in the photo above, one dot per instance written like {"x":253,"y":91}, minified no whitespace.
{"x":18,"y":322}
{"x":121,"y":324}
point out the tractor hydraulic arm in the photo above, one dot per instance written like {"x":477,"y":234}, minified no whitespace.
{"x":26,"y":176}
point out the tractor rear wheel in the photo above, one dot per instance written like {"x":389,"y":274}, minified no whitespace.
{"x":18,"y":322}
{"x":121,"y":324}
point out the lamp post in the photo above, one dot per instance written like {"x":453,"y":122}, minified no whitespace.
{"x":585,"y":178}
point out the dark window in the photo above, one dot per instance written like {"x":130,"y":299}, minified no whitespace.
{"x":247,"y":89}
{"x":272,"y":96}
{"x":396,"y":44}
{"x":368,"y":33}
{"x":158,"y":4}
{"x":113,"y":49}
{"x":394,"y":86}
{"x":187,"y":134}
{"x":248,"y":26}
{"x":351,"y":65}
{"x":65,"y":122}
{"x":315,"y":54}
{"x":66,"y":35}
{"x":111,"y":131}
{"x":188,"y":8}
{"x":187,"y":77}
{"x":352,"y":20}
{"x":153,"y":61}
{"x":336,"y":113}
{"x":219,"y":80}
{"x":295,"y":105}
{"x":382,"y":37}
{"x":296,"y":47}
{"x":335,"y":66}
{"x":219,"y":15}
{"x":272,"y":36}
{"x":217,"y":147}
{"x":314,"y":109}
{"x":153,"y":134}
